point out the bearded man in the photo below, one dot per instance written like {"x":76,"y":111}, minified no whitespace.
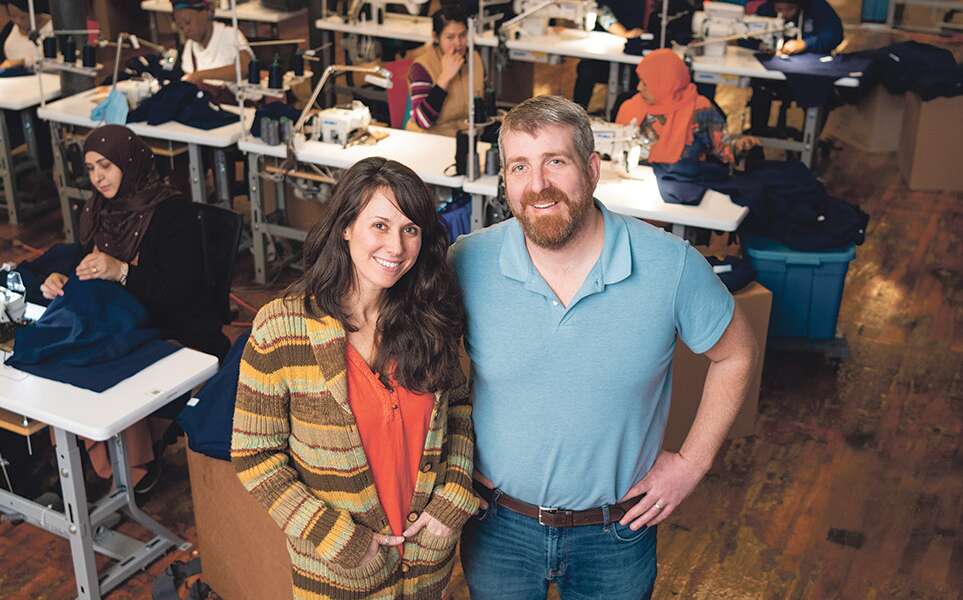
{"x":573,"y":314}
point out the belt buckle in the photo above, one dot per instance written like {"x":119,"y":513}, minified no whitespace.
{"x":547,"y":510}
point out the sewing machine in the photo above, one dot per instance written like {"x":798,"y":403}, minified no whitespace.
{"x":13,"y":301}
{"x":533,"y":15}
{"x":339,"y":125}
{"x":721,"y":22}
{"x":622,"y":143}
{"x":379,"y":8}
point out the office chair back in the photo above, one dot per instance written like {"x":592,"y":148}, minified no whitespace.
{"x":221,"y":237}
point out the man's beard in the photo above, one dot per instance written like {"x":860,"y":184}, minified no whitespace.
{"x":555,"y":230}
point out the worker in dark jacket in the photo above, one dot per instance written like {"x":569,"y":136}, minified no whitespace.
{"x":821,"y":31}
{"x":618,"y":17}
{"x":141,"y":232}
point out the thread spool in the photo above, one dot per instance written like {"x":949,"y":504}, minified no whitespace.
{"x":69,"y":48}
{"x":89,"y":55}
{"x":275,"y":75}
{"x":297,"y":64}
{"x":254,"y":72}
{"x":50,"y":47}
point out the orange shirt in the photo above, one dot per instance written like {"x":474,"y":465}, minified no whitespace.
{"x":393,"y":426}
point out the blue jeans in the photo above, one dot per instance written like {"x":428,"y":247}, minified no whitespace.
{"x":508,"y":556}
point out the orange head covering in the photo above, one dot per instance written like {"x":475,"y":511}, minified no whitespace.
{"x":668,"y":81}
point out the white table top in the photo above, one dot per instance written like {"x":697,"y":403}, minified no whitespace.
{"x":248,"y":11}
{"x":641,"y":198}
{"x":18,"y":93}
{"x":742,"y":62}
{"x":101,"y":416}
{"x":431,"y":156}
{"x":411,"y":28}
{"x":75,"y":110}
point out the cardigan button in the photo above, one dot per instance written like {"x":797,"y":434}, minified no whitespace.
{"x":405,"y":568}
{"x":425,"y":467}
{"x":412,"y":517}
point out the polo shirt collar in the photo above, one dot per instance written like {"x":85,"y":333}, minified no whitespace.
{"x":615,"y":261}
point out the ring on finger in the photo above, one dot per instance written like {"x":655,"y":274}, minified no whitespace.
{"x":658,"y":505}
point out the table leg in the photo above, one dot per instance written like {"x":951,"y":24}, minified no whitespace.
{"x":613,"y":89}
{"x":257,"y":218}
{"x":154,"y":29}
{"x":7,"y":174}
{"x":60,"y":177}
{"x":221,"y":179}
{"x":76,"y":511}
{"x":810,"y":127}
{"x":198,"y":193}
{"x":477,"y":211}
{"x":30,"y":135}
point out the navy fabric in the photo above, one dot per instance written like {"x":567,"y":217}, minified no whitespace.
{"x":794,"y":209}
{"x":208,"y":423}
{"x":900,"y":66}
{"x":821,"y":26}
{"x":456,"y":216}
{"x":273,"y":110}
{"x":15,"y":72}
{"x":741,"y":275}
{"x":687,"y":181}
{"x":183,"y":102}
{"x":812,"y":80}
{"x":94,"y":336}
{"x":59,"y":258}
{"x":136,"y":67}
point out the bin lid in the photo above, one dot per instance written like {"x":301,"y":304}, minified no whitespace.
{"x":760,"y":248}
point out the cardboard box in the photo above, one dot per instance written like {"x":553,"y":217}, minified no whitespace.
{"x":929,"y":150}
{"x":872,"y":125}
{"x":243,"y":551}
{"x":689,"y":375}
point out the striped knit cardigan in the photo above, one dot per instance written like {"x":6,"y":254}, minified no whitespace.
{"x":296,"y":448}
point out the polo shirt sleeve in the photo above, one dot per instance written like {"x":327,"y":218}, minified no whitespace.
{"x":703,"y":305}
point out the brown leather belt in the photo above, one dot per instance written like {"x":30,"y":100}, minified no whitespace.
{"x":557,"y":517}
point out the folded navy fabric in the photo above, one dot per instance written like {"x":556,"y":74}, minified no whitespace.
{"x":209,"y":421}
{"x":739,"y":274}
{"x":182,"y":102}
{"x":94,"y":336}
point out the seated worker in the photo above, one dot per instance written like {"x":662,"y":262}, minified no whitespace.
{"x":18,"y":50}
{"x":209,"y":46}
{"x":821,"y":32}
{"x":141,"y":232}
{"x":693,"y":128}
{"x":619,"y":17}
{"x":438,"y":79}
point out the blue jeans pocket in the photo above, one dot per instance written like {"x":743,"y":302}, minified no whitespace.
{"x":623,"y":534}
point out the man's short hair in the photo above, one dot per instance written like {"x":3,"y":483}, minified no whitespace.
{"x":545,"y":111}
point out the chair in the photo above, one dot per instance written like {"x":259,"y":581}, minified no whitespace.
{"x":221,"y":229}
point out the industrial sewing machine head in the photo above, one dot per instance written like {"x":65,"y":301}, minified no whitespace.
{"x":339,"y":125}
{"x":378,"y":8}
{"x":622,"y":143}
{"x":533,"y":15}
{"x":13,"y":302}
{"x":721,"y":22}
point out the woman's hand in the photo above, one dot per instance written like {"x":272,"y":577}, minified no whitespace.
{"x":53,"y":286}
{"x":98,"y":265}
{"x":450,"y":65}
{"x":794,"y":47}
{"x":426,"y":521}
{"x":377,"y":542}
{"x":744,"y":143}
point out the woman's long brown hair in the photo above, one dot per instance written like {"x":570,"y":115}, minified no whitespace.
{"x":422,"y":319}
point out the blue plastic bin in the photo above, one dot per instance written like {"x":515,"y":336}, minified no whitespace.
{"x":807,"y":287}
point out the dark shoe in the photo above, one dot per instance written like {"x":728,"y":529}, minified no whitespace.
{"x":147,"y":483}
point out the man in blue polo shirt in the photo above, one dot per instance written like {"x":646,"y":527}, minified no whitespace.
{"x":573,"y":313}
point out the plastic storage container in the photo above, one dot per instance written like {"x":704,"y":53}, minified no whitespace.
{"x":807,"y":287}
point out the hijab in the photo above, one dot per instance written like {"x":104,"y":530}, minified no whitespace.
{"x":668,"y":81}
{"x":117,"y":225}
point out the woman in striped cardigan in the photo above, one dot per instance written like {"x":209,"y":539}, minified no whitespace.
{"x":353,"y":419}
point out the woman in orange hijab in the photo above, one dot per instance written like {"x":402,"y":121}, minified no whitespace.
{"x":688,"y":126}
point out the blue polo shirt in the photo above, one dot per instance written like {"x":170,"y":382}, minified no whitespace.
{"x":570,"y":403}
